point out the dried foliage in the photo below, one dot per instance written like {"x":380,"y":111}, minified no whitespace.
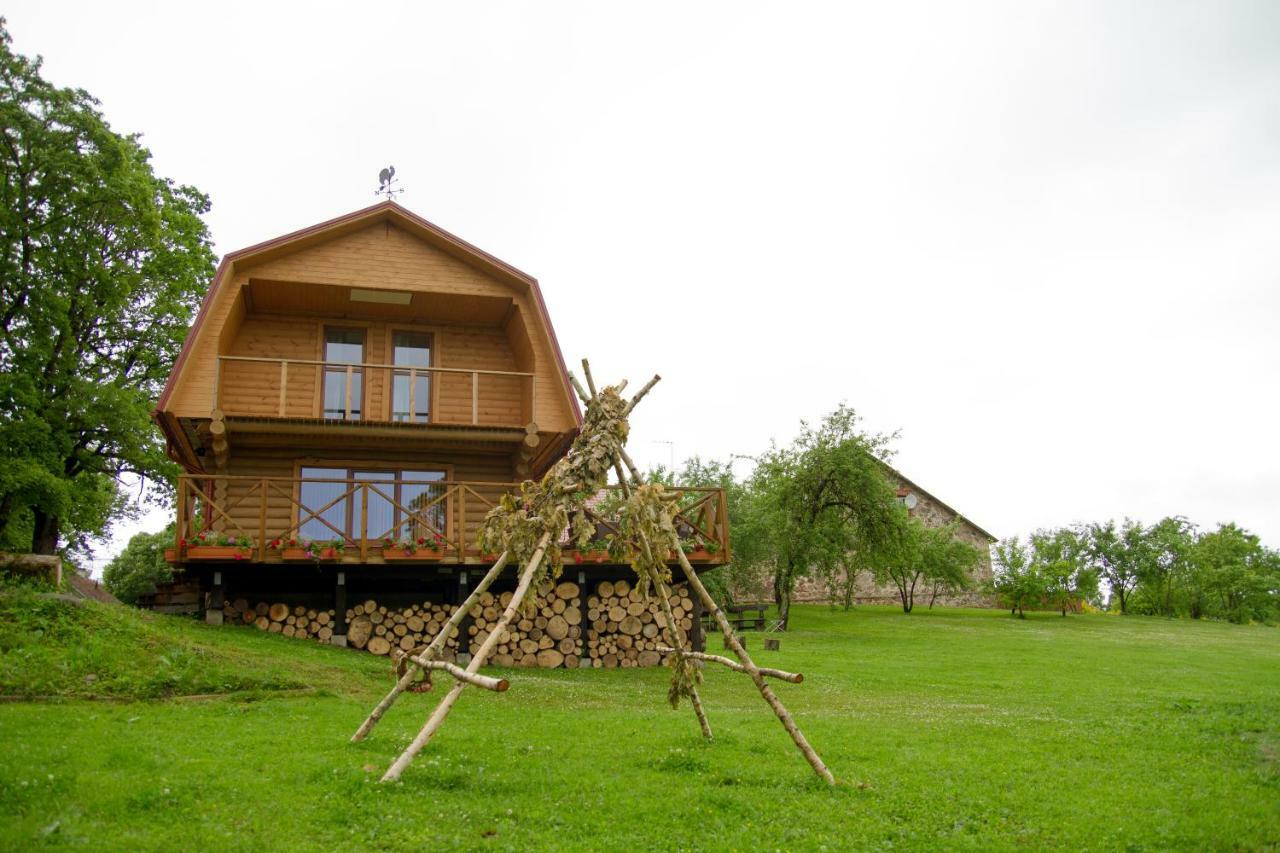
{"x":556,"y":502}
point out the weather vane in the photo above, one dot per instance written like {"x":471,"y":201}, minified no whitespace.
{"x":386,"y":184}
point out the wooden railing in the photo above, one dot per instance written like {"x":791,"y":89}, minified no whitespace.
{"x":272,"y":519}
{"x":356,"y":402}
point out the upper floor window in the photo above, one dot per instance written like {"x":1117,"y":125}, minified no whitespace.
{"x":410,"y":390}
{"x":343,"y":386}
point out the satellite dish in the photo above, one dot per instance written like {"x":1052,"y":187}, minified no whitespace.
{"x":911,"y":500}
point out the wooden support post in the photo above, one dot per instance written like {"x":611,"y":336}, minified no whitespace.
{"x":752,"y":670}
{"x":475,"y":398}
{"x":262,"y":520}
{"x":340,"y":609}
{"x":584,"y":624}
{"x":217,"y":598}
{"x":364,"y":522}
{"x":350,"y":375}
{"x":183,"y":526}
{"x":433,"y":649}
{"x":438,"y":716}
{"x":464,"y":627}
{"x":413,"y":395}
{"x":284,"y":385}
{"x":217,"y":385}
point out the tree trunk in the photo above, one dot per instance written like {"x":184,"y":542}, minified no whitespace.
{"x":782,"y":594}
{"x":44,"y":537}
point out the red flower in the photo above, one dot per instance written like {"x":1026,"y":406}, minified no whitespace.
{"x":182,"y":543}
{"x":239,"y":556}
{"x":422,"y":540}
{"x":577,"y":558}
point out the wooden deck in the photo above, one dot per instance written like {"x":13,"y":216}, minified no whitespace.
{"x":244,"y":519}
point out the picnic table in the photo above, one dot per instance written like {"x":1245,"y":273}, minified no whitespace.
{"x":739,"y":616}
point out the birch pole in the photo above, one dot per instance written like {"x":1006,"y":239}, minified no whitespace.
{"x":431,"y":651}
{"x":784,"y":716}
{"x":438,"y":716}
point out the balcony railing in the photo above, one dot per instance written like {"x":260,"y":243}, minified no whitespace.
{"x":384,"y":393}
{"x":279,"y":519}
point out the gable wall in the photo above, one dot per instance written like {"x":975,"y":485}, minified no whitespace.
{"x":381,"y":256}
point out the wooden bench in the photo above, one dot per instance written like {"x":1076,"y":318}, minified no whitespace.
{"x":739,"y":617}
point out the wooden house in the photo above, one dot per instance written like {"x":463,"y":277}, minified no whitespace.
{"x":350,"y":401}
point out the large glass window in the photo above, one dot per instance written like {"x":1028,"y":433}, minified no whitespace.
{"x":424,"y":514}
{"x":411,"y":392}
{"x":326,"y":500}
{"x":343,"y":387}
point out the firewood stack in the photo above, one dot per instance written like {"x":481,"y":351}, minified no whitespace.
{"x":621,"y":629}
{"x":370,"y":626}
{"x":379,"y":629}
{"x":625,"y":630}
{"x":548,"y":637}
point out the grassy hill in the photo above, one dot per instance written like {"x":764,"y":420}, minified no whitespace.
{"x":956,"y":729}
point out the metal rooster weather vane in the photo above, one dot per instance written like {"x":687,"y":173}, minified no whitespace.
{"x":386,"y":184}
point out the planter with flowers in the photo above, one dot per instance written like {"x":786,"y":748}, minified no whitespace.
{"x":423,"y":548}
{"x":310,"y":549}
{"x":212,"y":545}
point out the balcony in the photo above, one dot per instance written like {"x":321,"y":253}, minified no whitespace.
{"x":350,"y":394}
{"x":278,"y":520}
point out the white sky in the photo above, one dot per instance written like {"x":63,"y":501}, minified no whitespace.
{"x":1042,"y":239}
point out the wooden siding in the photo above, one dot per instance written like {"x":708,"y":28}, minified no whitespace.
{"x":383,"y":256}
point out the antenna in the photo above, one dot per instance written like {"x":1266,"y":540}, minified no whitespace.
{"x":386,"y":184}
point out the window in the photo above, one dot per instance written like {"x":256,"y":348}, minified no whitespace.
{"x":338,"y":503}
{"x":410,"y":393}
{"x":343,"y":386}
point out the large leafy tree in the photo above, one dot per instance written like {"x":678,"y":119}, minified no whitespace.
{"x":1119,"y":555}
{"x":815,"y":501}
{"x":1016,"y":579}
{"x":1240,"y":576}
{"x":1058,"y":557}
{"x":920,"y":557}
{"x":101,"y":264}
{"x":140,"y":566}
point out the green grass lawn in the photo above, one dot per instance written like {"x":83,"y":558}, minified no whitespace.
{"x":948,"y":729}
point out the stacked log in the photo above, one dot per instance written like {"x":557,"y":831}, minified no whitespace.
{"x":625,"y":630}
{"x":379,"y":629}
{"x":618,"y":629}
{"x":548,"y":635}
{"x":369,"y":625}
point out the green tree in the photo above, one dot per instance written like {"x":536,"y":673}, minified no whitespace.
{"x":140,"y":566}
{"x":811,"y":503}
{"x":1166,"y":561}
{"x":1058,"y":559}
{"x":1239,"y":575}
{"x":921,"y":557}
{"x":1015,"y":580}
{"x":1118,"y":555}
{"x":101,"y":264}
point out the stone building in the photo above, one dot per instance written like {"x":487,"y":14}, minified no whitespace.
{"x":931,"y":511}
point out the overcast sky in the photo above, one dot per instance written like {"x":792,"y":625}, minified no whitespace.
{"x":1040,"y":239}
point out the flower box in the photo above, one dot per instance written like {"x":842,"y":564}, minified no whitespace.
{"x":303,"y":554}
{"x":217,"y":552}
{"x":418,"y":554}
